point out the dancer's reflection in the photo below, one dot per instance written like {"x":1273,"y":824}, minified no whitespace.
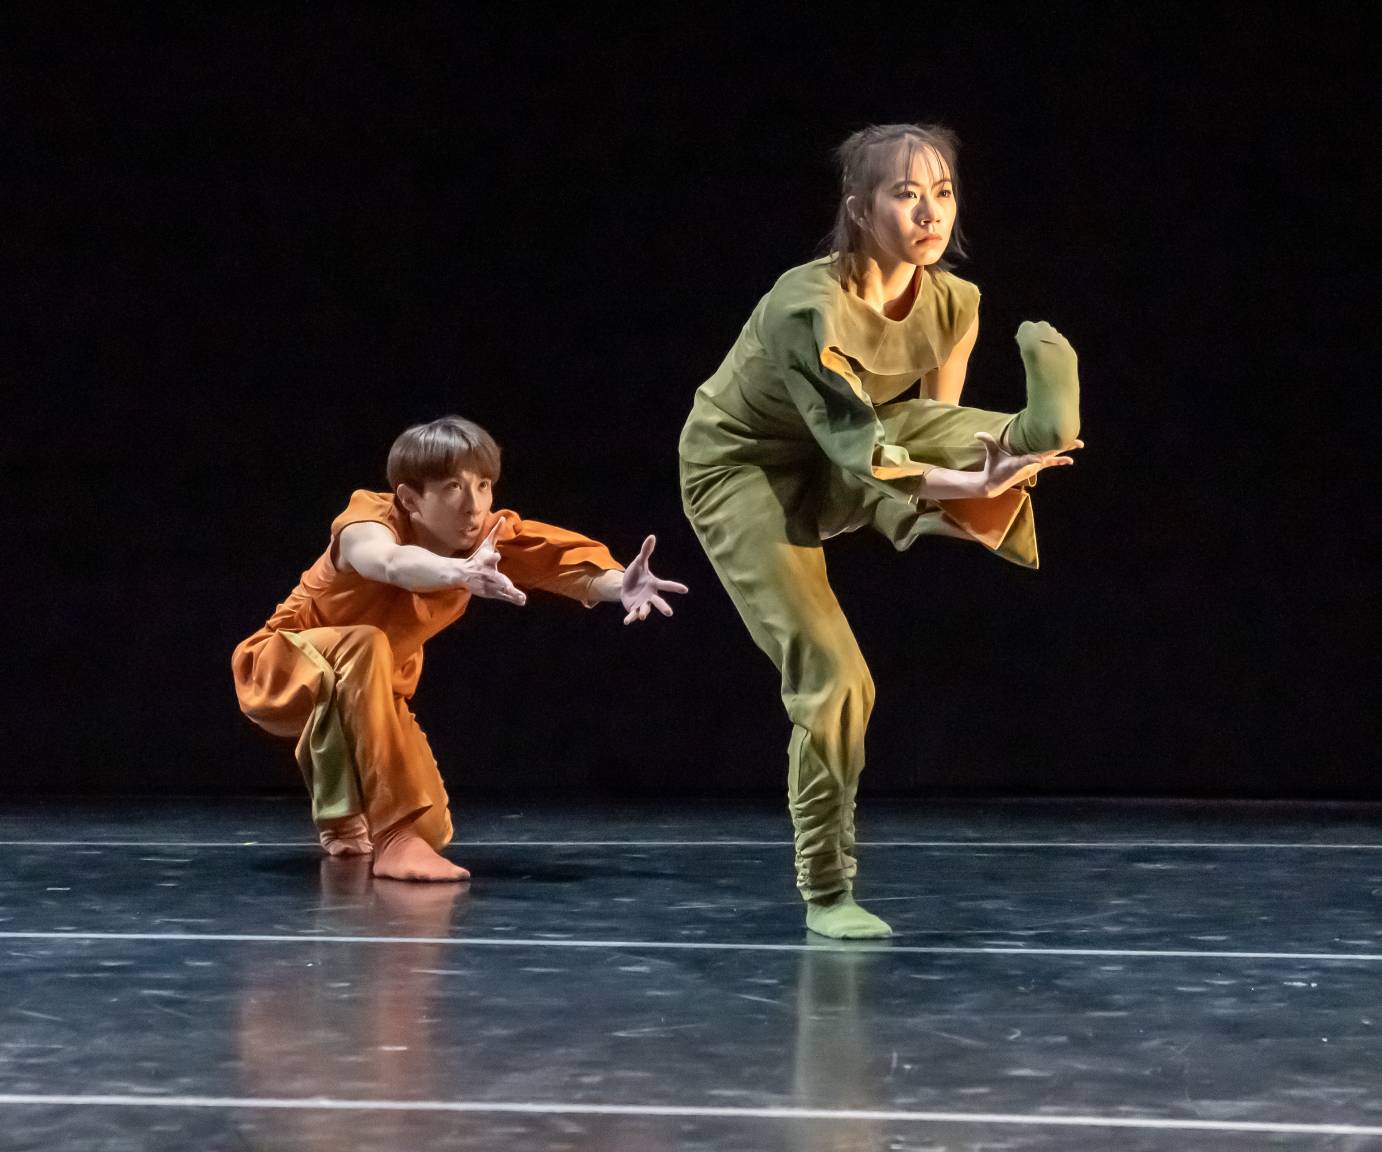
{"x":363,"y":1021}
{"x":353,"y":1021}
{"x":835,"y":1064}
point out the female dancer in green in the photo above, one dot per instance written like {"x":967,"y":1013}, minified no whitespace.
{"x":807,"y":430}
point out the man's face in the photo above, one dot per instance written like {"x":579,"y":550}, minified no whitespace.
{"x":448,"y":516}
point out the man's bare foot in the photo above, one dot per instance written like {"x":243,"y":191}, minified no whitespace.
{"x":347,"y":837}
{"x":401,"y":854}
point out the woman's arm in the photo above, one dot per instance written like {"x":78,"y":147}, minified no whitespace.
{"x":1002,"y":469}
{"x":948,"y":381}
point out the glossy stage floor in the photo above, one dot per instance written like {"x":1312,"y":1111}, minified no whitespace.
{"x":1064,"y":976}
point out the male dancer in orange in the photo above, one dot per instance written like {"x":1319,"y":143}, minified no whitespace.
{"x":337,"y":662}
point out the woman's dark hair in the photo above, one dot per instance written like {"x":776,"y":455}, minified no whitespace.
{"x":876,"y":155}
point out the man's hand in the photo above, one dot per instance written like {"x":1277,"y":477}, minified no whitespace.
{"x":1003,"y":469}
{"x":641,"y":591}
{"x":480,"y":572}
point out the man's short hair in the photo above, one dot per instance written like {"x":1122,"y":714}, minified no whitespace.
{"x":440,"y":450}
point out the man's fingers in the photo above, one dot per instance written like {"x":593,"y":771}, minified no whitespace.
{"x":671,"y":586}
{"x":499,"y":587}
{"x":661,"y":605}
{"x":647,"y":550}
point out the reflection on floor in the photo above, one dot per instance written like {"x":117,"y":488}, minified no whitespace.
{"x":1065,"y":976}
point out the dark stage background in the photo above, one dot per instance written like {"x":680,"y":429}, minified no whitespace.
{"x":246,"y":247}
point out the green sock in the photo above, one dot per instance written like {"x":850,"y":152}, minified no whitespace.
{"x":1051,"y":419}
{"x":840,"y":918}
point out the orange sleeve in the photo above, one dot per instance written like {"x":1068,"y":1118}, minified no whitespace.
{"x":374,"y":507}
{"x":551,"y":559}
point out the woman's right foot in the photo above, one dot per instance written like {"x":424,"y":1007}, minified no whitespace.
{"x":404,"y":855}
{"x":1051,"y":420}
{"x":840,"y":918}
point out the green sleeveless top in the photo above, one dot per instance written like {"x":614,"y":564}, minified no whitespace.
{"x":808,"y":369}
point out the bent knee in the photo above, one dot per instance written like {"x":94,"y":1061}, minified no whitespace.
{"x":840,"y":689}
{"x":366,"y":645}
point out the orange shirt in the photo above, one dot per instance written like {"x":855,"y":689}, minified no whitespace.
{"x":531,"y":554}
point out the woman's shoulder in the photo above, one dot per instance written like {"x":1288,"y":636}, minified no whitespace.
{"x":811,"y":283}
{"x":803,"y":292}
{"x":948,"y":284}
{"x":954,"y":301}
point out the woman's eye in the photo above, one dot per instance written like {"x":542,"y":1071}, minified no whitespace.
{"x":947,"y":192}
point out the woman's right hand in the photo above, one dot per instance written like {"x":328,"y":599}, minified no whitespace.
{"x":1003,"y":469}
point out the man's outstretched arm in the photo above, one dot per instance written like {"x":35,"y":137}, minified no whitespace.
{"x":636,"y":587}
{"x":370,"y":549}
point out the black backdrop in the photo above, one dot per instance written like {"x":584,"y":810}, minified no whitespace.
{"x":247,"y":246}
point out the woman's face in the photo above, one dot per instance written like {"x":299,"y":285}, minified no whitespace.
{"x":910,"y":218}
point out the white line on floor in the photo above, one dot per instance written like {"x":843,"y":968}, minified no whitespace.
{"x":701,"y":945}
{"x":464,"y":844}
{"x":769,"y":1113}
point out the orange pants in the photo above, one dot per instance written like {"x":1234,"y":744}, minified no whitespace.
{"x":284,"y":690}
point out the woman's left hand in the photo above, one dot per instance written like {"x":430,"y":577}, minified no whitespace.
{"x":641,"y":590}
{"x":1003,"y":469}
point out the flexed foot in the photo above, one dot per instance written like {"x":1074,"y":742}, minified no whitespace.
{"x":1051,"y":420}
{"x":346,"y":837}
{"x":401,"y":854}
{"x":840,"y":918}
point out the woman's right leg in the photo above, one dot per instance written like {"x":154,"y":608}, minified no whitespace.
{"x":758,"y":529}
{"x":944,"y":435}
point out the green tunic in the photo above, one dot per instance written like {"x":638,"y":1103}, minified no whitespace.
{"x":793,"y":439}
{"x":804,"y":380}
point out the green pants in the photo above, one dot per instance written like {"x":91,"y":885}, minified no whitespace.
{"x":761,"y":527}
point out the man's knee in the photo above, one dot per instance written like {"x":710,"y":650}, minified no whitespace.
{"x":364,"y":652}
